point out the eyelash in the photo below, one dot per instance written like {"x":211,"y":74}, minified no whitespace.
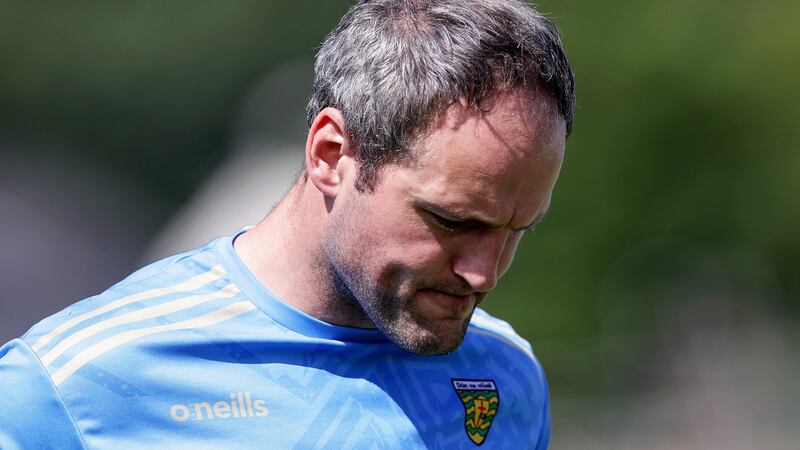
{"x":453,"y":226}
{"x":447,"y":224}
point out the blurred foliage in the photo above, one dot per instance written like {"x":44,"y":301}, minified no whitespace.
{"x":679,"y":186}
{"x":147,"y":88}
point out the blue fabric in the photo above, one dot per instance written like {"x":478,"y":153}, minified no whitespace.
{"x":192,"y":352}
{"x":32,"y":415}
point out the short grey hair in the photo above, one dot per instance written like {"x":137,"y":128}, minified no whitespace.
{"x":392,"y":66}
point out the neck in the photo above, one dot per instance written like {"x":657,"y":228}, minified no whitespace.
{"x":285,"y":253}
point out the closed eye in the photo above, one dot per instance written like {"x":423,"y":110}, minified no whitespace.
{"x":452,"y":222}
{"x":452,"y":225}
{"x":447,"y":224}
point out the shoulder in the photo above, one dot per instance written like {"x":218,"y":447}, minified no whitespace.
{"x":171,"y":296}
{"x":500,"y":334}
{"x":182,"y":273}
{"x":31,"y":364}
{"x":496,"y":339}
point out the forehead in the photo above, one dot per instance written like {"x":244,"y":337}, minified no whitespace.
{"x":502,"y":161}
{"x":515,"y":125}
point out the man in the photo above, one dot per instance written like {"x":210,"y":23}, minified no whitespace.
{"x":346,"y":318}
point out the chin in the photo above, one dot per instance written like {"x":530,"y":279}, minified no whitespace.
{"x":429,"y":339}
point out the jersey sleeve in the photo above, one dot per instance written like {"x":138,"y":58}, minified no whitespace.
{"x":32,"y":414}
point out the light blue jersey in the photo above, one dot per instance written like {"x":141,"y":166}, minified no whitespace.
{"x":193,"y":353}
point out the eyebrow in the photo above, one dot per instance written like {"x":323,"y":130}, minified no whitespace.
{"x":460,"y":217}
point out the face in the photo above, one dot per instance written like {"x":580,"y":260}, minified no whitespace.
{"x":422,"y":250}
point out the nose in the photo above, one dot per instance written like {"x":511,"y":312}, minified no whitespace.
{"x":478,"y":262}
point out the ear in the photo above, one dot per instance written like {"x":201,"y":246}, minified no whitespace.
{"x":327,"y":147}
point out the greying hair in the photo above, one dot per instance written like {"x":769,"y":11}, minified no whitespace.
{"x":391,"y":66}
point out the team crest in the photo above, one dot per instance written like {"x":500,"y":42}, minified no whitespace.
{"x":481,"y":400}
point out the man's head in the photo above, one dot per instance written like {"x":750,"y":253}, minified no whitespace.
{"x":436,"y":135}
{"x":392,"y":66}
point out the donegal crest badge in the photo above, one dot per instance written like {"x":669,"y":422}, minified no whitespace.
{"x":481,"y":400}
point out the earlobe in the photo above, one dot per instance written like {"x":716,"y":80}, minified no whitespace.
{"x":327,"y":145}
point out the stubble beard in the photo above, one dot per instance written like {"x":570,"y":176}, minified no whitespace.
{"x":389,"y":303}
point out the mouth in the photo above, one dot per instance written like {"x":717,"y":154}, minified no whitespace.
{"x":445,"y":305}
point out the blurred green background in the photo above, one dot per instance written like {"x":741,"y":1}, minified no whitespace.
{"x":667,"y":268}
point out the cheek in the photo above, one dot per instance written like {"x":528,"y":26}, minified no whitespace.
{"x":406,"y":241}
{"x":388,"y":232}
{"x":413,"y":247}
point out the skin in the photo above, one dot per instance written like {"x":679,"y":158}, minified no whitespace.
{"x":417,"y":254}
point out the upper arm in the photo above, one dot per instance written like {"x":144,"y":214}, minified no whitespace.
{"x":32,"y":414}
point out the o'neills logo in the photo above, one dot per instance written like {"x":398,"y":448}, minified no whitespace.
{"x":241,"y":405}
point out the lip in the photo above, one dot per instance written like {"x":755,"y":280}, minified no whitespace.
{"x":447,"y":305}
